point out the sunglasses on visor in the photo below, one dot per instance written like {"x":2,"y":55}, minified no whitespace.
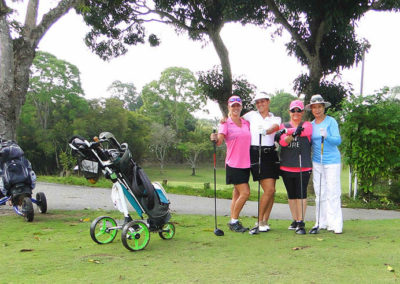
{"x":231,"y":100}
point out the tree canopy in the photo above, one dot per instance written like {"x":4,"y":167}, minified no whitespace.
{"x":323,"y":37}
{"x":126,"y":92}
{"x":172,"y":99}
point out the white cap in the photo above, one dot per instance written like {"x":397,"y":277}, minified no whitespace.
{"x":260,"y":96}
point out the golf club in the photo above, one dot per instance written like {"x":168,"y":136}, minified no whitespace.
{"x":315,"y":230}
{"x":301,"y":231}
{"x":217,"y":232}
{"x":255,"y":231}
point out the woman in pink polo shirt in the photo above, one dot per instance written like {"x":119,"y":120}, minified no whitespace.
{"x":236,"y":133}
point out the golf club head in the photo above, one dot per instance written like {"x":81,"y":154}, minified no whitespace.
{"x":314,"y":231}
{"x":218,"y":232}
{"x":254,"y":231}
{"x":301,"y":231}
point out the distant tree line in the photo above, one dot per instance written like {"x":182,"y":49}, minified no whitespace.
{"x":159,"y":126}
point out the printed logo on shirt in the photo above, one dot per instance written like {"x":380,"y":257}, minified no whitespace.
{"x":294,"y":144}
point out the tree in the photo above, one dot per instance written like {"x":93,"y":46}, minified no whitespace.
{"x":197,"y":142}
{"x":212,"y":84}
{"x":18,"y":43}
{"x":126,"y":92}
{"x":52,"y":81}
{"x":202,"y":20}
{"x":138,"y":135}
{"x":323,"y":36}
{"x":280,"y":104}
{"x":54,"y":100}
{"x":162,"y":138}
{"x":172,"y":99}
{"x":370,"y":130}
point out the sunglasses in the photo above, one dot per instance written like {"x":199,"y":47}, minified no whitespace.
{"x":231,"y":100}
{"x":296,"y":110}
{"x":317,"y":100}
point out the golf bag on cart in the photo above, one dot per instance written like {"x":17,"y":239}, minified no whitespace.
{"x":130,"y":182}
{"x":17,"y":180}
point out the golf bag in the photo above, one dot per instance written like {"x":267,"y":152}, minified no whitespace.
{"x":16,"y":174}
{"x":116,"y":162}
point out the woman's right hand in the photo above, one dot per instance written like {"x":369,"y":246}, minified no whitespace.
{"x":214,"y":137}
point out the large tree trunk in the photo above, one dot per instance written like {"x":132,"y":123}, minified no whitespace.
{"x":315,"y":76}
{"x":16,"y":57}
{"x":7,"y":125}
{"x":223,"y":55}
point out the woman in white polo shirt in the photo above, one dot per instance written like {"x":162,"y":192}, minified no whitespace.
{"x":264,"y":122}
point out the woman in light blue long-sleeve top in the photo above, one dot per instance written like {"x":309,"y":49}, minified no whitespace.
{"x":326,"y":175}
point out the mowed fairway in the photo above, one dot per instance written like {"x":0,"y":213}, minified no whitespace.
{"x":57,"y":248}
{"x":181,"y":176}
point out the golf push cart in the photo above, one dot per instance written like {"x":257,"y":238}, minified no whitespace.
{"x":17,"y":180}
{"x":129,"y":183}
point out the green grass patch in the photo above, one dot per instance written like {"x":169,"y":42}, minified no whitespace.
{"x":57,"y":248}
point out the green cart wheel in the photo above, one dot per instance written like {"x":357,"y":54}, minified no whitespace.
{"x":135,"y":235}
{"x":103,"y":230}
{"x":167,"y":232}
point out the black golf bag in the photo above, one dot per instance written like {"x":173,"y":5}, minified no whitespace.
{"x":16,"y":174}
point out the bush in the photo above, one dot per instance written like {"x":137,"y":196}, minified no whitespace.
{"x":370,"y":128}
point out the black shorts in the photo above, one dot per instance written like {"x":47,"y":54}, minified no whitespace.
{"x":269,"y":163}
{"x":237,"y":175}
{"x":292,"y":184}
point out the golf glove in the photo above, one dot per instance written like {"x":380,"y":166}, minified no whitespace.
{"x":298,"y":131}
{"x":263,"y":132}
{"x":323,"y":132}
{"x":279,"y":133}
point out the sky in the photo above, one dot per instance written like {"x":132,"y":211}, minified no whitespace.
{"x":253,"y":54}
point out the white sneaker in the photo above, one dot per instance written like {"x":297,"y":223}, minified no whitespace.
{"x":259,"y":229}
{"x":265,"y":228}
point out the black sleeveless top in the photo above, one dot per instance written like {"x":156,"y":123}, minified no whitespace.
{"x":290,"y":155}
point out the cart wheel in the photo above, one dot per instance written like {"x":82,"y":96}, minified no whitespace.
{"x":167,"y":231}
{"x":103,"y":230}
{"x":27,"y":209}
{"x":135,"y":235}
{"x":41,"y":202}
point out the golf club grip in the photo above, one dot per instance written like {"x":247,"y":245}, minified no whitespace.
{"x":215,"y":150}
{"x":259,"y":156}
{"x":322,"y":145}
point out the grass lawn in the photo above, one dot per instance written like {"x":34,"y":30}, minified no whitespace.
{"x":57,"y":248}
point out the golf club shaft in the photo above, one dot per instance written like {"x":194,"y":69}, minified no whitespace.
{"x":320,"y":181}
{"x":215,"y":180}
{"x":301,"y":188}
{"x":259,"y":181}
